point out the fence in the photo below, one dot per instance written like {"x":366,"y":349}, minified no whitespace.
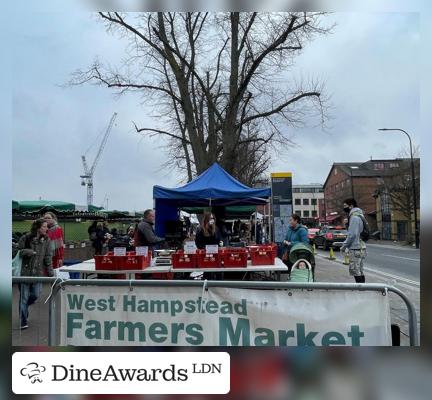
{"x":57,"y":285}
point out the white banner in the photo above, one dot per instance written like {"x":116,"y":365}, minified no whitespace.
{"x":171,"y":316}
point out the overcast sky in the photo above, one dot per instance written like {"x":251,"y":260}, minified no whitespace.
{"x":370,"y":64}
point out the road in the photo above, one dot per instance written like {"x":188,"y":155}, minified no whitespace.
{"x":391,"y":261}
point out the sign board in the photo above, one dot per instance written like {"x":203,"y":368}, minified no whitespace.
{"x":212,"y":249}
{"x":189,"y":247}
{"x":282,"y":203}
{"x":119,"y":251}
{"x":141,"y":250}
{"x":189,"y":316}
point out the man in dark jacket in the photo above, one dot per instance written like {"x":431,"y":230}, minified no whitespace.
{"x":145,"y":235}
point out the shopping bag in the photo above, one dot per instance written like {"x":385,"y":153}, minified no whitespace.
{"x":17,"y":264}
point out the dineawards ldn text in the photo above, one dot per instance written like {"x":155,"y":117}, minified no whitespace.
{"x":111,"y":374}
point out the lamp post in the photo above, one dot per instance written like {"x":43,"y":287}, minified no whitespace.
{"x":416,"y":230}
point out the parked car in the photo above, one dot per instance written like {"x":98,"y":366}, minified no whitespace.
{"x":311,"y":234}
{"x":330,"y":236}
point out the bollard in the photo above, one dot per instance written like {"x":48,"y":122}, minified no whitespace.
{"x":314,"y":249}
{"x":332,"y":256}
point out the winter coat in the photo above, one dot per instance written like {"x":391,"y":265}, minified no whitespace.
{"x":355,"y":227}
{"x":202,"y":240}
{"x":145,"y":235}
{"x":37,"y":254}
{"x":297,"y":235}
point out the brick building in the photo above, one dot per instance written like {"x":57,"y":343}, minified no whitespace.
{"x":358,"y":180}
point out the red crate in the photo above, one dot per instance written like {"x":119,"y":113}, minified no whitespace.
{"x":109,"y":261}
{"x":132,"y":261}
{"x":263,"y":255}
{"x":234,"y":257}
{"x":208,"y":260}
{"x":182,"y":260}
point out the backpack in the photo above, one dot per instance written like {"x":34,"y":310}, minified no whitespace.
{"x":365,"y":233}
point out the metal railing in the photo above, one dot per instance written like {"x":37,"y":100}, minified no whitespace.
{"x":57,"y":284}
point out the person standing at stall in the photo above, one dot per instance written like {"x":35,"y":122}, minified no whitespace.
{"x":55,"y":233}
{"x":145,"y":234}
{"x":208,"y":233}
{"x":37,"y":253}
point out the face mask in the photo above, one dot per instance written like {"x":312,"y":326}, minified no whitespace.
{"x":211,"y":222}
{"x":347,"y":209}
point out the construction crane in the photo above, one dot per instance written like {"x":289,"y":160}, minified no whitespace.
{"x":87,"y":178}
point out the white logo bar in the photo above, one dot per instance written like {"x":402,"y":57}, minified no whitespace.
{"x":120,"y":373}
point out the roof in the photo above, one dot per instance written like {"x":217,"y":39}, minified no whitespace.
{"x":366,"y":169}
{"x":213,"y":187}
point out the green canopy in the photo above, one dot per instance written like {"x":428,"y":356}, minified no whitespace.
{"x":38,"y":206}
{"x":44,"y":205}
{"x":230,"y":211}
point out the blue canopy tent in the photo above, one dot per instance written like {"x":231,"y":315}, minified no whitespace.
{"x":214,"y":187}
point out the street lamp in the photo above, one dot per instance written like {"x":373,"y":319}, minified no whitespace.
{"x":417,"y":238}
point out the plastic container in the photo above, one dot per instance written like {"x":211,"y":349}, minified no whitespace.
{"x":182,"y":260}
{"x":263,"y":255}
{"x":208,"y":260}
{"x":132,"y":261}
{"x":234,"y":257}
{"x":109,"y":262}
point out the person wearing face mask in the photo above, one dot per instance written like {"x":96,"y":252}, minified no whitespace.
{"x":353,"y":245}
{"x":55,"y":233}
{"x":36,"y":252}
{"x":209,"y":232}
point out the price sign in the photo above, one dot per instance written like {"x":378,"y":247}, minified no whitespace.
{"x":190,"y":247}
{"x":212,"y":249}
{"x":119,"y":251}
{"x":141,"y":250}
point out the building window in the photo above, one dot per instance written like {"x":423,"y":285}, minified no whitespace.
{"x":394,"y":165}
{"x":314,"y":202}
{"x":335,"y":171}
{"x":379,"y":166}
{"x":298,"y":212}
{"x":314,"y":213}
{"x":306,"y":213}
{"x":305,"y":202}
{"x":297,"y":202}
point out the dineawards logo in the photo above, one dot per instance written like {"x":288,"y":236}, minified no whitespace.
{"x":121,"y":373}
{"x":33,"y":371}
{"x":62,"y":373}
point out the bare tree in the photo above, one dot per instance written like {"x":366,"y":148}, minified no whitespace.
{"x":218,"y":82}
{"x":397,"y":187}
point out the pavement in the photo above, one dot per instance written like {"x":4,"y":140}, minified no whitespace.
{"x":335,"y":271}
